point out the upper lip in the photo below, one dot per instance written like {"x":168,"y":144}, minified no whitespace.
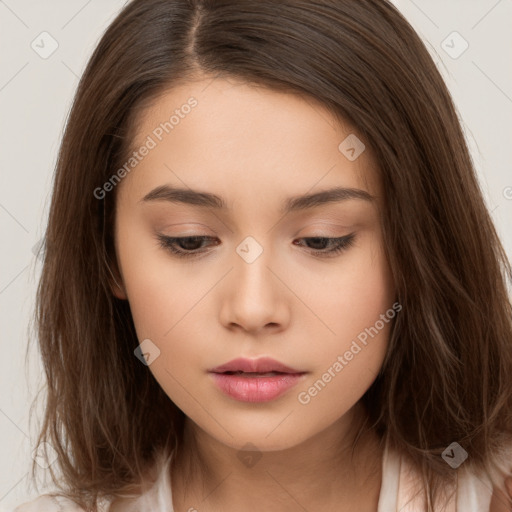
{"x":261,"y":365}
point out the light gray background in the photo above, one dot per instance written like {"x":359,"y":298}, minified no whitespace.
{"x":35,"y":97}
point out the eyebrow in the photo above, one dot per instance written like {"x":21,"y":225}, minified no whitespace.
{"x":296,"y":203}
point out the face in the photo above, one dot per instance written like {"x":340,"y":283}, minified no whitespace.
{"x":267,"y":272}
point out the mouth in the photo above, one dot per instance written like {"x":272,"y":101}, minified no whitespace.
{"x":260,"y":380}
{"x":254,"y":367}
{"x":256,"y":374}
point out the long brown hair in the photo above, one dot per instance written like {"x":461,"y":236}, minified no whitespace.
{"x":447,"y":373}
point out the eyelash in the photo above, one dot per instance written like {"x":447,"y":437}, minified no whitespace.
{"x":341,"y":244}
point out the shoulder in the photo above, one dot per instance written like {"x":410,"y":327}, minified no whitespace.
{"x":474,"y":493}
{"x":502,"y":488}
{"x":502,"y":498}
{"x":48,"y":503}
{"x":154,"y":492}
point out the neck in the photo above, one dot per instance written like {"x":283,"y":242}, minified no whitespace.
{"x":324,"y":471}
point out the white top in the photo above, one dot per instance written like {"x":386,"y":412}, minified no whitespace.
{"x":398,"y":492}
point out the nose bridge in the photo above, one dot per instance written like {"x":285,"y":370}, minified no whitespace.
{"x":254,"y":298}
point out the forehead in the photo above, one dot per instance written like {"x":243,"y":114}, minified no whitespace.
{"x":221,"y":134}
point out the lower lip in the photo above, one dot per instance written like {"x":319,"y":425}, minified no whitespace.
{"x":256,"y":389}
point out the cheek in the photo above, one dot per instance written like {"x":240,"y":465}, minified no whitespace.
{"x":170,"y":305}
{"x":350,"y":296}
{"x":157,"y":291}
{"x":365,"y":292}
{"x":341,"y":382}
{"x":357,"y":306}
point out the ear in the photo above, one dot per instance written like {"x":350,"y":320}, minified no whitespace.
{"x":118,"y":290}
{"x":116,"y":282}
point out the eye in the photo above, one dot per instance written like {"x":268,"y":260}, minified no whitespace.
{"x":189,"y":246}
{"x":185,"y":246}
{"x":325,"y":246}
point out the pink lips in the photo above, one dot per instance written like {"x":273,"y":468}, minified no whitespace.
{"x":255,"y":380}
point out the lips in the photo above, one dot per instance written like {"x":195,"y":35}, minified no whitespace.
{"x":255,"y":380}
{"x":264,"y":366}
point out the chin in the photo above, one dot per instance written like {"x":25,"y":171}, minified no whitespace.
{"x":247,"y":439}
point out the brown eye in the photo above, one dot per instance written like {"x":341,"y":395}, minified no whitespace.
{"x":184,"y":246}
{"x":188,"y":246}
{"x":321,"y":245}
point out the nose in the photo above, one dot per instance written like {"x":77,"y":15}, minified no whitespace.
{"x":253,"y":298}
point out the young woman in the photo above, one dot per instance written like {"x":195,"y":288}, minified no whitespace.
{"x":270,"y":279}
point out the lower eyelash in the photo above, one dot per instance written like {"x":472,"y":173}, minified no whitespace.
{"x":168,"y":242}
{"x":340,"y":244}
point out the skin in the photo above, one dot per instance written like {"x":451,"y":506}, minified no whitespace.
{"x":256,"y":147}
